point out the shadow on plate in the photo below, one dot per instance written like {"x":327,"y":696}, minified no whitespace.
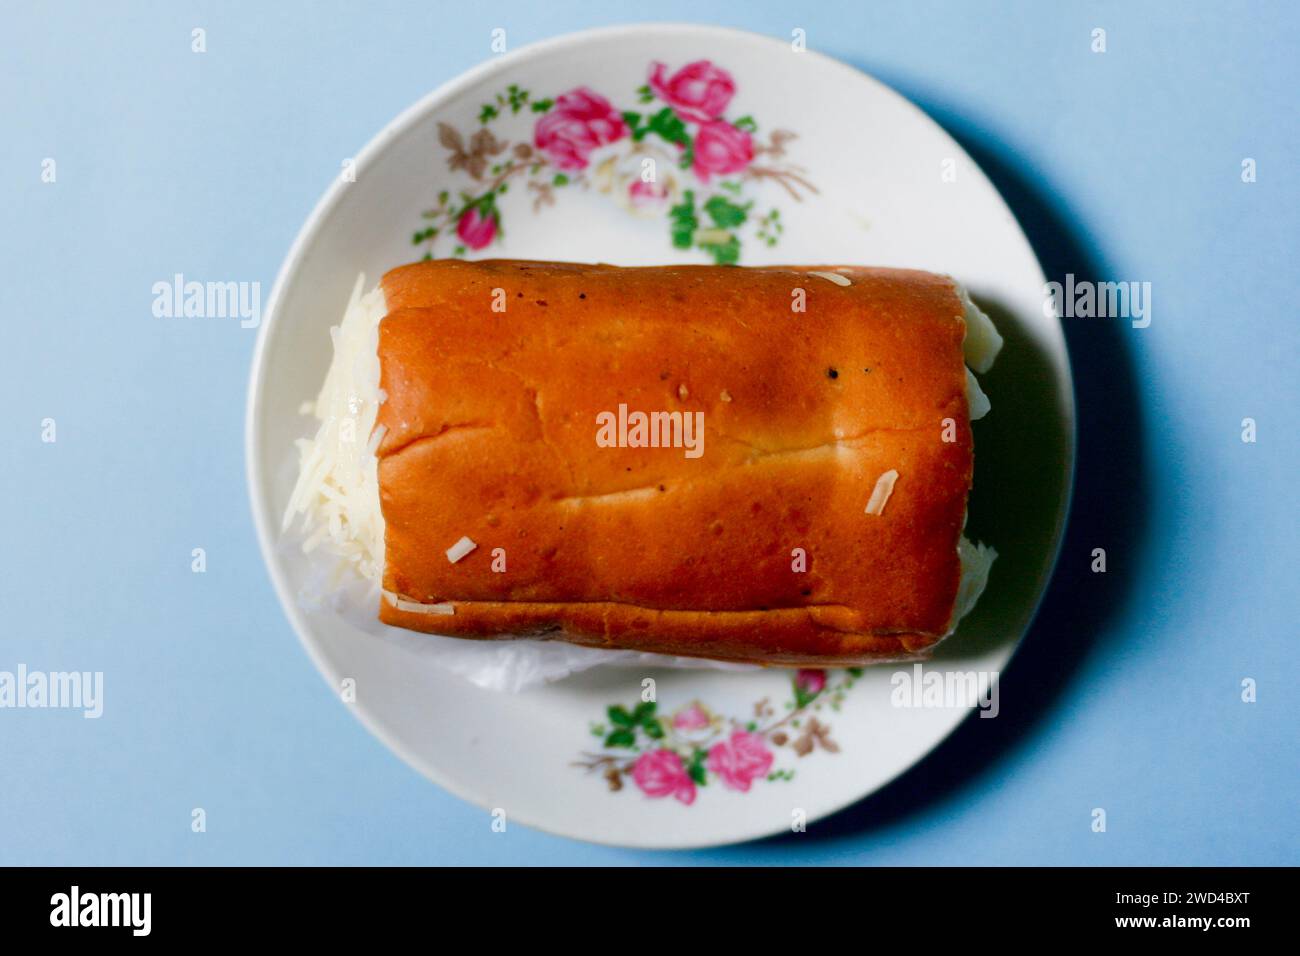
{"x":1021,"y":450}
{"x":1111,"y":486}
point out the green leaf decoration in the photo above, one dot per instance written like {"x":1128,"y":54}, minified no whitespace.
{"x":560,"y":180}
{"x":518,"y":98}
{"x":541,"y":106}
{"x":653,"y":729}
{"x":619,"y":715}
{"x":724,"y":253}
{"x":668,"y":126}
{"x":746,"y":124}
{"x":644,"y":94}
{"x":695,"y":768}
{"x":725,"y":213}
{"x":621,"y":738}
{"x":488,"y":113}
{"x":683,"y":222}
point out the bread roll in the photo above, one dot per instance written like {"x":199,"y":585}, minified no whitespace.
{"x":795,"y":494}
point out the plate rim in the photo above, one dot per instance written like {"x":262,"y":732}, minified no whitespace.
{"x":401,"y":124}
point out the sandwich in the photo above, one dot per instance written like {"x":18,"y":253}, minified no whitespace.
{"x":766,"y":465}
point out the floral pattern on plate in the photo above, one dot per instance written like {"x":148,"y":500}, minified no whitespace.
{"x":674,"y":755}
{"x":675,"y":157}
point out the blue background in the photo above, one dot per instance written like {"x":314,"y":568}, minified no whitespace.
{"x":1126,"y":695}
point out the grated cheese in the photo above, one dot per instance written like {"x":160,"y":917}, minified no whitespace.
{"x":337,"y":492}
{"x":880,"y":494}
{"x":976,"y":562}
{"x":415,"y":607}
{"x":833,"y":277}
{"x":982,"y":342}
{"x":977,"y":402}
{"x":461,"y":548}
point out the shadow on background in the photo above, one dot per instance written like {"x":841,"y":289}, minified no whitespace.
{"x":1108,"y":511}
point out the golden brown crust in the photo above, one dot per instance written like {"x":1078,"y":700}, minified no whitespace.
{"x":491,"y":425}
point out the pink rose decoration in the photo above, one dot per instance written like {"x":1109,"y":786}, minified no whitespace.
{"x":699,"y":91}
{"x":643,"y":194}
{"x":475,"y":229}
{"x":810,"y":681}
{"x":660,"y":773}
{"x":721,"y":148}
{"x":692,"y":718}
{"x":741,"y":760}
{"x":579,"y":122}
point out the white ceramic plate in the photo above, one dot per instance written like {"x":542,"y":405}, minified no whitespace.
{"x":855,"y":174}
